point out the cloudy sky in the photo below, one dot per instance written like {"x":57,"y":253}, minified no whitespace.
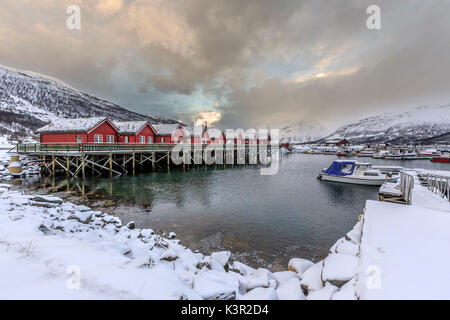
{"x":239,"y":63}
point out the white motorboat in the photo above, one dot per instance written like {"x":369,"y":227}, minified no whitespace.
{"x":351,"y":171}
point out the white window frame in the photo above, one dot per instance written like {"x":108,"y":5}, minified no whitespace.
{"x":163,"y":139}
{"x":180,"y":139}
{"x":109,"y":138}
{"x":149,"y":139}
{"x":79,"y":138}
{"x":141,"y":139}
{"x":127,"y":139}
{"x":98,"y":138}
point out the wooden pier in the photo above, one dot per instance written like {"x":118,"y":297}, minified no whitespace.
{"x":90,"y":159}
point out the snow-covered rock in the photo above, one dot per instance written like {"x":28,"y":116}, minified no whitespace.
{"x":290,"y":290}
{"x":339,"y":268}
{"x":260,"y":278}
{"x":221,"y":257}
{"x":312,"y":277}
{"x":260,"y":294}
{"x":324,"y":293}
{"x":344,"y":246}
{"x":83,"y":217}
{"x":242,"y":268}
{"x":282,"y":276}
{"x":213,"y":285}
{"x":346,"y":292}
{"x":299,"y":265}
{"x":355,"y":234}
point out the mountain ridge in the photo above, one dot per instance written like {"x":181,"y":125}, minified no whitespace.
{"x":29,"y":100}
{"x":418,"y":124}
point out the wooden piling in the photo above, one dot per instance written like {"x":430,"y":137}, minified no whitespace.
{"x":110,"y":164}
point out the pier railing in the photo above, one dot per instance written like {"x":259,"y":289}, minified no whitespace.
{"x":439,"y":185}
{"x":109,"y":147}
{"x":406,"y":186}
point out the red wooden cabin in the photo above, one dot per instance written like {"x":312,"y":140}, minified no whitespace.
{"x":135,"y":132}
{"x":81,"y":130}
{"x":169,"y":133}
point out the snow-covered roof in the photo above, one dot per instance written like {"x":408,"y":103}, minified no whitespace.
{"x":190,"y":131}
{"x":166,"y":129}
{"x":131,"y":126}
{"x":72,"y":125}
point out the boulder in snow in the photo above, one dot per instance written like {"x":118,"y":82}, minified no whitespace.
{"x":323,"y":294}
{"x":260,"y":294}
{"x":290,"y":290}
{"x":213,"y":285}
{"x":260,"y":278}
{"x":299,"y":266}
{"x":339,"y":268}
{"x":312,"y":277}
{"x":83,"y":217}
{"x":221,"y":257}
{"x":347,"y":291}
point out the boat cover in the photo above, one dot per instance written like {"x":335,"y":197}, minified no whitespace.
{"x":336,"y":168}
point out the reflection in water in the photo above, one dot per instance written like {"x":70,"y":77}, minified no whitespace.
{"x":263,"y":220}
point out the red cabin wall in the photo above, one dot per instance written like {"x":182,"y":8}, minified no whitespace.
{"x":61,"y":137}
{"x":104,"y":129}
{"x":146,"y":132}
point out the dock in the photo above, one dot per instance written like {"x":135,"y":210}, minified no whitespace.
{"x":403,"y":247}
{"x":90,"y":159}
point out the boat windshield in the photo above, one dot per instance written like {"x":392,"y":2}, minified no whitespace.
{"x":341,"y":168}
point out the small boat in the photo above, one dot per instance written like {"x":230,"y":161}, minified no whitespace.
{"x":441,"y":159}
{"x":351,"y":171}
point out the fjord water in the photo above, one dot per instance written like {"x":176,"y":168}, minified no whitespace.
{"x":263,"y":220}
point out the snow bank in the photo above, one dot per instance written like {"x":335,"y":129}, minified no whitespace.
{"x":404,"y":252}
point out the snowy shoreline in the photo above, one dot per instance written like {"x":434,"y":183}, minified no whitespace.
{"x":42,"y":236}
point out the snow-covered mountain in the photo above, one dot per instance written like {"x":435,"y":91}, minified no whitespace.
{"x":29,"y":100}
{"x":418,"y":124}
{"x":302,"y":131}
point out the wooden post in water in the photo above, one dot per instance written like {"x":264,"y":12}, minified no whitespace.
{"x":53,"y":164}
{"x":110,"y":164}
{"x":134,"y":163}
{"x":153,"y":160}
{"x":168,"y":161}
{"x":83,"y":171}
{"x":67,"y":166}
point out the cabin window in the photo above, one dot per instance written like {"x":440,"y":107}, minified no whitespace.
{"x":109,"y":139}
{"x":347,"y":168}
{"x":163,"y":140}
{"x":142,"y":139}
{"x":149,"y":139}
{"x":180,"y":140}
{"x":126,"y":139}
{"x":98,"y":138}
{"x":371,"y":174}
{"x":79,"y":138}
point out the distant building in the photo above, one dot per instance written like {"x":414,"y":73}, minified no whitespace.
{"x":337,"y":142}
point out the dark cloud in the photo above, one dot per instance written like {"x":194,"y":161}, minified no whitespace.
{"x":254,"y":61}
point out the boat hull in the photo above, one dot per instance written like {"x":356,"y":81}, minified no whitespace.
{"x":442,"y":160}
{"x":356,"y":180}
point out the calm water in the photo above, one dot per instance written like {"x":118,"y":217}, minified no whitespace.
{"x":263,"y":220}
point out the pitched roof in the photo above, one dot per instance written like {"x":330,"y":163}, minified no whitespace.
{"x":131,"y":126}
{"x":190,"y":131}
{"x":72,"y":125}
{"x":166,"y":129}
